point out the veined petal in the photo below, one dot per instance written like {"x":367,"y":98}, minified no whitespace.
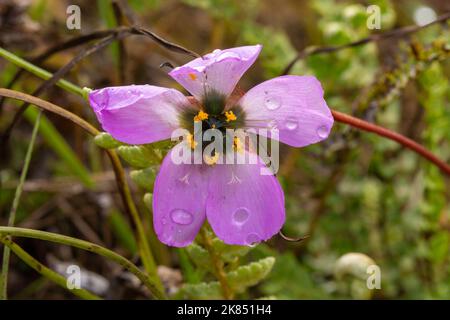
{"x":138,"y":114}
{"x":292,"y":104}
{"x":179,"y":199}
{"x":218,"y":71}
{"x":244,"y":207}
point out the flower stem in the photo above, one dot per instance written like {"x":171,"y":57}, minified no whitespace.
{"x":381,"y":131}
{"x":88,"y":246}
{"x":15,"y":205}
{"x":39,"y":72}
{"x":43,"y":270}
{"x":144,"y":248}
{"x":143,"y":243}
{"x":217,"y":265}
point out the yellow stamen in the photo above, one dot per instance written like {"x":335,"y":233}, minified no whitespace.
{"x":237,"y":144}
{"x":193,"y":76}
{"x":191,"y":141}
{"x":211,"y":160}
{"x":230,"y":116}
{"x":201,"y":116}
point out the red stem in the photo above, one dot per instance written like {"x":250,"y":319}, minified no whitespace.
{"x":381,"y":131}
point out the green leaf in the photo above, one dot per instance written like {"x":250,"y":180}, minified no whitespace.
{"x":144,"y":178}
{"x":106,"y":12}
{"x":229,"y":252}
{"x":148,"y":199}
{"x":105,"y":140}
{"x":251,"y":274}
{"x":138,"y":156}
{"x":239,"y":280}
{"x":199,"y":256}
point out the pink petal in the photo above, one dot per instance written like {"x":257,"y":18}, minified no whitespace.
{"x":179,"y":198}
{"x":138,"y":114}
{"x":218,"y":71}
{"x":244,"y":207}
{"x":294,"y":105}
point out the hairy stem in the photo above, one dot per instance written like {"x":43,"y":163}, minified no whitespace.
{"x":15,"y":205}
{"x":217,"y":265}
{"x":43,"y":270}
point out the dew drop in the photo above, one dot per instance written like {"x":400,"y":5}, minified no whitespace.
{"x":164,"y":221}
{"x":227,"y":55}
{"x":322,"y":132}
{"x":252,"y":239}
{"x":291,"y":124}
{"x":181,"y":216}
{"x":272,"y":103}
{"x":241,"y":215}
{"x":216,"y":51}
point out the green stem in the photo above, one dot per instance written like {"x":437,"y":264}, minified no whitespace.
{"x":39,"y":72}
{"x":15,"y":205}
{"x":88,"y":246}
{"x":217,"y":264}
{"x":46,"y":272}
{"x":143,"y":243}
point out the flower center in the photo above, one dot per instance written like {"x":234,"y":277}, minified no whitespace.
{"x":213,"y":115}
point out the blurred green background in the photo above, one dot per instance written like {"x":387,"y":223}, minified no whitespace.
{"x":354,"y":193}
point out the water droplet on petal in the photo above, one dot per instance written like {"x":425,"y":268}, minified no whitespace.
{"x":252,"y":239}
{"x":291,"y":123}
{"x":164,"y":221}
{"x":241,"y":215}
{"x":216,"y":51}
{"x":272,"y":103}
{"x":322,"y":132}
{"x":181,"y":216}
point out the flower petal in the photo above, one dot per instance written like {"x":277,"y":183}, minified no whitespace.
{"x":294,"y":105}
{"x":218,"y":71}
{"x":179,"y":198}
{"x":138,"y":114}
{"x":244,"y":207}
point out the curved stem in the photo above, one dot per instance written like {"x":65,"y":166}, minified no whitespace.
{"x":143,"y":244}
{"x":43,"y":270}
{"x":88,"y":246}
{"x":146,"y":254}
{"x":381,"y":131}
{"x":39,"y":72}
{"x":15,"y":205}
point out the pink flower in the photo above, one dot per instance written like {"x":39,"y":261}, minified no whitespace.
{"x":242,"y":206}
